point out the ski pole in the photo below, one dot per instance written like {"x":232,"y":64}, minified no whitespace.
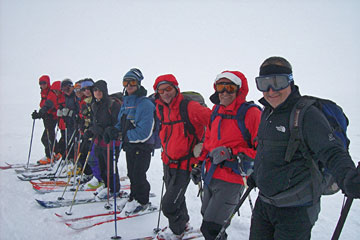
{"x":114,"y":178}
{"x":108,"y":205}
{"x":82,"y":172}
{"x":344,"y":212}
{"x":53,"y":146}
{"x":32,"y":134}
{"x":228,"y":220}
{"x":157,"y":229}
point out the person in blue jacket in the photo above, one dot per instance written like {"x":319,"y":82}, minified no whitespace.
{"x":135,"y":128}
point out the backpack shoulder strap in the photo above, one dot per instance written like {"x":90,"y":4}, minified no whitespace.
{"x":184,"y":114}
{"x":240,"y":116}
{"x":295,"y":125}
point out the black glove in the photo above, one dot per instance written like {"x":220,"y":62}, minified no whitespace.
{"x":251,"y":181}
{"x":111,"y":133}
{"x":195,"y":174}
{"x":88,"y":134}
{"x":352,"y":183}
{"x":96,"y":130}
{"x":35,"y":115}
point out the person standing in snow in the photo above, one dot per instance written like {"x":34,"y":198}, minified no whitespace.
{"x":278,"y":213}
{"x":177,"y":151}
{"x":135,"y":127}
{"x":105,"y":111}
{"x":48,"y":113}
{"x":228,"y":153}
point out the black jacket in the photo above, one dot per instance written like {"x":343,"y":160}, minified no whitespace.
{"x":276,"y":177}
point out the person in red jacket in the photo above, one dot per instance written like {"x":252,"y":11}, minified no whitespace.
{"x":177,"y":151}
{"x":227,"y":151}
{"x":48,"y":113}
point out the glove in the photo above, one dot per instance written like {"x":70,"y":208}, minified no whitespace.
{"x":352,"y":183}
{"x":59,"y":113}
{"x":35,"y":115}
{"x":111,"y":133}
{"x":251,"y":181}
{"x":88,"y":134}
{"x":96,"y":130}
{"x":66,"y":112}
{"x":246,"y":164}
{"x":195,"y":174}
{"x":197,"y":149}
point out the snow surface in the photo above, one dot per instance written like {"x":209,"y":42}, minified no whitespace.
{"x":194,"y":40}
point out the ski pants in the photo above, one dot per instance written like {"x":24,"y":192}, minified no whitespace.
{"x":101,"y":154}
{"x":173,"y":201}
{"x":138,"y":163}
{"x":270,"y":222}
{"x":92,"y":167}
{"x":219,"y":201}
{"x":48,"y":135}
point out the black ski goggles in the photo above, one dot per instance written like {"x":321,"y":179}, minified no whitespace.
{"x":276,"y":82}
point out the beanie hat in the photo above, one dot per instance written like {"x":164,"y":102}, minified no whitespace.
{"x":134,"y":74}
{"x":102,"y":86}
{"x":275,"y":65}
{"x":66,"y":82}
{"x":231,"y":76}
{"x":87,"y":82}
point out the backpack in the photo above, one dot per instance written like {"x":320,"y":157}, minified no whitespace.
{"x":240,"y":117}
{"x":115,"y":97}
{"x":323,"y":182}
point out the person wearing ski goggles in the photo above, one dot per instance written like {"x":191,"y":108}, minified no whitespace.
{"x":275,"y":87}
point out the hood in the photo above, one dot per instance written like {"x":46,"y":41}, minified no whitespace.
{"x":236,"y":77}
{"x":56,"y":86}
{"x":167,"y":78}
{"x":102,"y":85}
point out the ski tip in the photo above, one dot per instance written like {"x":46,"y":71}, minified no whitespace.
{"x":41,"y":203}
{"x":58,"y":215}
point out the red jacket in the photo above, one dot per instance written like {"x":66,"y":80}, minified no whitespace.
{"x":174,"y":143}
{"x":231,"y":136}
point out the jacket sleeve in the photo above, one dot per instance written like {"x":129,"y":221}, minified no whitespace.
{"x":319,"y":137}
{"x":199,"y":116}
{"x":144,"y":122}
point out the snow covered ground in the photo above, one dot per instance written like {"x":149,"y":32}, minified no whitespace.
{"x":194,"y":40}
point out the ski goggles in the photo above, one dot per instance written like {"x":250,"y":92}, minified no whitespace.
{"x":276,"y":82}
{"x":167,"y":89}
{"x":86,"y":88}
{"x":132,"y":82}
{"x":42,"y":83}
{"x":226,"y":87}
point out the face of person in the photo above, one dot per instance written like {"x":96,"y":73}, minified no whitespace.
{"x":68,"y":90}
{"x":87,"y":92}
{"x":167,"y":92}
{"x":226,"y":97}
{"x":79,"y":93}
{"x":43,"y":85}
{"x":98,"y":94}
{"x":275,"y":98}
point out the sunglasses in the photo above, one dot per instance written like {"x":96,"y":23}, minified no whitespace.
{"x":96,"y":89}
{"x":66,"y":88}
{"x":226,"y":87}
{"x":42,"y":83}
{"x":276,"y":82}
{"x":167,"y":89}
{"x":86,"y":88}
{"x":132,"y":82}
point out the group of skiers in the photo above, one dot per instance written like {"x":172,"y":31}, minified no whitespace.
{"x":234,"y":145}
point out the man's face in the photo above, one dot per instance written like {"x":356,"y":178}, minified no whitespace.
{"x":43,"y":85}
{"x":87,"y":92}
{"x":68,"y":89}
{"x":275,"y":98}
{"x":167,"y":92}
{"x":225,"y":97}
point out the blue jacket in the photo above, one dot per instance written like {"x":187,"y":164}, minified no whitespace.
{"x":136,"y":118}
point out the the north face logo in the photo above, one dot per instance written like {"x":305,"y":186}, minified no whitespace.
{"x":281,"y":128}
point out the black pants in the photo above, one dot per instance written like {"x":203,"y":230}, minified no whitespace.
{"x":101,"y":154}
{"x":270,"y":222}
{"x":48,"y":135}
{"x":173,"y":201}
{"x":138,"y":163}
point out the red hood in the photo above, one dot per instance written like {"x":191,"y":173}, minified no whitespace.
{"x":166,"y":78}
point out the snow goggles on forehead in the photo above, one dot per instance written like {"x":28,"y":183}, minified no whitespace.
{"x":226,"y":87}
{"x":132,"y":82}
{"x":276,"y":82}
{"x":167,"y":89}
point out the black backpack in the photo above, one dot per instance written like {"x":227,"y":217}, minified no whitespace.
{"x":323,"y":182}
